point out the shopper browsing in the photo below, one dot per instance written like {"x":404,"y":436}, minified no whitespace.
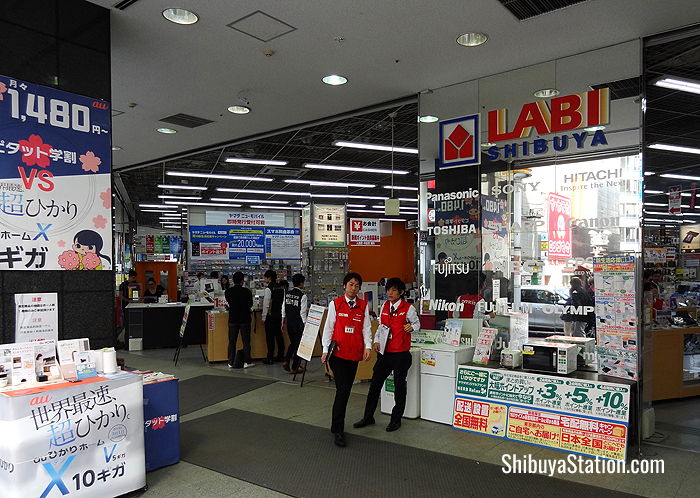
{"x":294,"y":313}
{"x":401,"y":319}
{"x":273,"y":301}
{"x":240,"y":301}
{"x":153,"y":291}
{"x":348,"y":329}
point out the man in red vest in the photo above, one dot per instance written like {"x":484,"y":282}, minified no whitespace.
{"x":400,"y":320}
{"x":348,"y":336}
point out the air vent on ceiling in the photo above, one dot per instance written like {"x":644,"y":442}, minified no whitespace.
{"x":621,"y":89}
{"x":186,"y":120}
{"x":261,"y":26}
{"x":526,"y":9}
{"x":282,"y":171}
{"x":124,"y":4}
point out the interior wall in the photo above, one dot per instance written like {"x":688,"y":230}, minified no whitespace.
{"x":393,"y":258}
{"x":64,"y":44}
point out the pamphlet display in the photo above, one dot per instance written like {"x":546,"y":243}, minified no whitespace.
{"x":484,"y":345}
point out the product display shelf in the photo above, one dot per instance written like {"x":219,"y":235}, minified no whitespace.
{"x":325,"y":269}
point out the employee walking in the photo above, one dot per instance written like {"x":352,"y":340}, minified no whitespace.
{"x":348,"y":329}
{"x":240,"y":301}
{"x":273,"y":301}
{"x":294,"y":312}
{"x":401,"y":319}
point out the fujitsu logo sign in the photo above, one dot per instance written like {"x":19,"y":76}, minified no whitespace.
{"x":459,"y":142}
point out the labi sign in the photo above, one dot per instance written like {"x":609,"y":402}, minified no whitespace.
{"x":560,"y":115}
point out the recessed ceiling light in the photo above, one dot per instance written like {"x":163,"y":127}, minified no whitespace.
{"x":167,"y":131}
{"x":334,"y":79}
{"x":194,"y":203}
{"x":646,"y":191}
{"x":351,"y":196}
{"x":116,"y":147}
{"x":387,"y":148}
{"x":180,"y":16}
{"x":157,"y":206}
{"x":239,"y":109}
{"x":472,"y":39}
{"x":268,"y":192}
{"x":241,"y":160}
{"x":546,"y":93}
{"x":276,"y":207}
{"x":427,"y":119}
{"x":400,"y":188}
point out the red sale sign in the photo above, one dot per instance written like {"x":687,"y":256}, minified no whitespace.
{"x":559,"y":226}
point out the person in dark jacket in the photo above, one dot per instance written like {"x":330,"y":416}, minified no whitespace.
{"x":240,"y":302}
{"x":579,"y":297}
{"x":273,"y":300}
{"x":294,"y":313}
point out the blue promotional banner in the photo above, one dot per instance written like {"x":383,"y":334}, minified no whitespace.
{"x":249,"y":244}
{"x":55,"y":187}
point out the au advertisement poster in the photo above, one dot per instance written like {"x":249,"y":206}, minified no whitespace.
{"x":55,"y":187}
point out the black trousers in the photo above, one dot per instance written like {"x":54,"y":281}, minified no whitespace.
{"x":273,"y":333}
{"x":344,"y":374}
{"x":399,"y":363}
{"x":295,"y":330}
{"x":233,"y":330}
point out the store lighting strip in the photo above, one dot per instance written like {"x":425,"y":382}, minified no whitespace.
{"x":240,"y":160}
{"x":400,"y":188}
{"x":682,"y":84}
{"x":351,"y":196}
{"x":330,"y":184}
{"x":355,"y":169}
{"x":680,"y":177}
{"x":181,"y":197}
{"x":181,"y":187}
{"x":216,"y":176}
{"x":252,"y":191}
{"x":277,"y":207}
{"x":253,"y":201}
{"x":385,"y":148}
{"x":675,"y":148}
{"x":187,"y":203}
{"x":157,"y":206}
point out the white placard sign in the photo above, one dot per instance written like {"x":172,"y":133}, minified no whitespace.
{"x":311,"y":328}
{"x":364,"y":232}
{"x":36,"y":317}
{"x":329,"y":225}
{"x":244,"y":219}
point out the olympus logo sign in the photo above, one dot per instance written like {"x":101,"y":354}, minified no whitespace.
{"x":549,"y":309}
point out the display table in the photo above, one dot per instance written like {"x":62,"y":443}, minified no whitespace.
{"x":667,"y":347}
{"x":158,"y":325}
{"x":82,"y":438}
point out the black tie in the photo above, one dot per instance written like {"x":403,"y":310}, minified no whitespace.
{"x":392,"y":311}
{"x":351,"y":304}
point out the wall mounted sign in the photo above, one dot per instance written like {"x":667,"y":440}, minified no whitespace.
{"x":459,"y":142}
{"x":246,"y":219}
{"x":364,"y":232}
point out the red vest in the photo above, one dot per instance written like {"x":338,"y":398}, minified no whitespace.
{"x":469,"y":301}
{"x":399,"y":340}
{"x":349,"y":345}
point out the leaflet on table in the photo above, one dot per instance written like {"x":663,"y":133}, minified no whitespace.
{"x":453,"y":331}
{"x":617,"y":362}
{"x":484,"y":344}
{"x":66,"y":355}
{"x":45,"y":358}
{"x":589,"y":398}
{"x":18,"y":361}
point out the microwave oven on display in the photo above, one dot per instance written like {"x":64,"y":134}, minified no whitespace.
{"x":553,"y":357}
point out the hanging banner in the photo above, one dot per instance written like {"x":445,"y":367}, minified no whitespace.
{"x":329,"y":225}
{"x":36,"y":317}
{"x":559,"y":226}
{"x":674,"y":199}
{"x":364,"y":232}
{"x":306,"y":226}
{"x":55,"y":185}
{"x":246,"y":219}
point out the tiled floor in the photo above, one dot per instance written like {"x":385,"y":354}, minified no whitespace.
{"x":311,"y":405}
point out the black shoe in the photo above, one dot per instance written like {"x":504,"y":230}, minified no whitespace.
{"x":363,"y":423}
{"x":279,"y":359}
{"x":268,"y":361}
{"x":285,"y":366}
{"x":393,"y":426}
{"x":339,"y":440}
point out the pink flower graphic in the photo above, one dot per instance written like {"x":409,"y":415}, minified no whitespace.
{"x":68,"y":260}
{"x":35,"y":151}
{"x":106,"y":197}
{"x":91,"y":261}
{"x":90,"y":161}
{"x":61,"y":243}
{"x":3,"y":89}
{"x":99,"y":221}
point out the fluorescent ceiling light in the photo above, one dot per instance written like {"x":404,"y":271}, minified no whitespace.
{"x":172,"y":226}
{"x":215,"y":204}
{"x":230,"y":199}
{"x":400,"y":188}
{"x":239,"y":109}
{"x":219,"y":176}
{"x":428,"y":119}
{"x":392,"y":219}
{"x":276,"y":207}
{"x":408,"y":199}
{"x":180,"y":16}
{"x":545,"y":93}
{"x":356,"y":205}
{"x":166,"y":131}
{"x":691,"y":214}
{"x":301,"y":203}
{"x":649,"y":173}
{"x":331,"y":184}
{"x":661,"y":204}
{"x":651,"y":225}
{"x":181,"y":197}
{"x":241,"y":160}
{"x":682,"y":84}
{"x":352,"y":168}
{"x":334,"y":80}
{"x":654,"y":192}
{"x":156,"y":206}
{"x":675,"y":148}
{"x":386,"y":148}
{"x":351,"y":196}
{"x":594,"y":128}
{"x":116,"y":147}
{"x":376,"y":211}
{"x":180,"y":187}
{"x":152,"y":210}
{"x":472,"y":39}
{"x":269,"y":192}
{"x":667,"y":221}
{"x":680,"y":177}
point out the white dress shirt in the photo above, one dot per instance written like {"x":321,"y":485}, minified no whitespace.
{"x":330,"y":325}
{"x":267,"y":297}
{"x":411,"y":315}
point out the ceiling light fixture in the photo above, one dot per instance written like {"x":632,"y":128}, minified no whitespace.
{"x":151,"y":210}
{"x":660,"y":204}
{"x":181,"y":197}
{"x":407,"y":199}
{"x":180,"y":187}
{"x":156,"y":206}
{"x":116,"y":147}
{"x":486,"y":145}
{"x":334,"y":80}
{"x":594,"y":128}
{"x":215,"y":204}
{"x":219,"y":176}
{"x":682,"y":84}
{"x":356,"y":205}
{"x":251,"y":191}
{"x":239,"y":109}
{"x":392,"y":219}
{"x":276,"y":207}
{"x":261,"y":201}
{"x":318,"y":183}
{"x":654,"y":192}
{"x":180,"y":16}
{"x":546,"y":93}
{"x":175,"y":227}
{"x":167,"y":131}
{"x":675,"y":148}
{"x":428,"y":119}
{"x":351,"y":196}
{"x":301,"y":203}
{"x":255,"y":161}
{"x":680,"y":177}
{"x":359,"y":170}
{"x":649,"y":173}
{"x":400,"y":188}
{"x":472,"y":39}
{"x":385,"y":148}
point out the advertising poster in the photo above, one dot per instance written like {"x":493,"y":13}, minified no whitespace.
{"x":245,"y":219}
{"x":282,"y":243}
{"x":36,"y":317}
{"x":559,"y":226}
{"x":311,"y":328}
{"x":480,"y":416}
{"x":306,"y":226}
{"x":329,"y":225}
{"x":494,"y":233}
{"x":674,"y":199}
{"x":55,"y":186}
{"x":654,"y":254}
{"x":690,"y":238}
{"x":245,"y":244}
{"x":86,"y":440}
{"x":364,"y":232}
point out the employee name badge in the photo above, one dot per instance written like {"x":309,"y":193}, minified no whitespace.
{"x":349,"y":329}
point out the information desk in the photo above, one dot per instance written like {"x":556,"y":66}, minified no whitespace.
{"x":82,"y":438}
{"x":158,"y":325}
{"x":668,"y":352}
{"x":580,"y":413}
